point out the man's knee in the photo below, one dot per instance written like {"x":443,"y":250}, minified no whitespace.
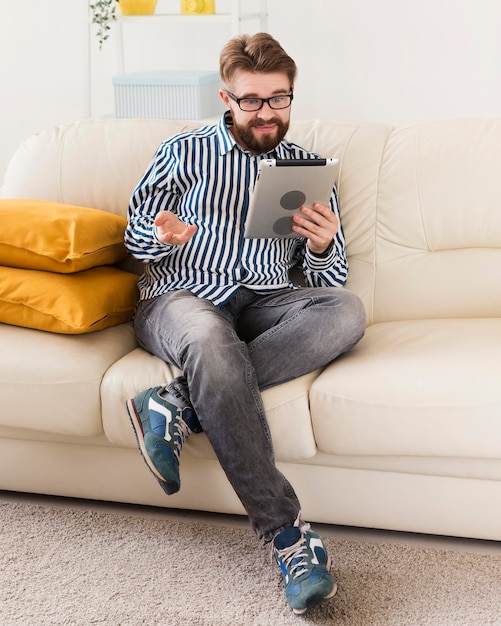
{"x":348,"y":314}
{"x":355,"y":316}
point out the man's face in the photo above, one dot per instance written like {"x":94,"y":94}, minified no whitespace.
{"x":258,"y":131}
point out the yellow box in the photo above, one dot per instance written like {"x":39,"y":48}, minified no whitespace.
{"x":197,"y":7}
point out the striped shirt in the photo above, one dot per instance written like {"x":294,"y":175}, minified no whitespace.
{"x":204,"y":177}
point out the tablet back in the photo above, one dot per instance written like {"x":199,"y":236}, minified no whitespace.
{"x":282,"y":188}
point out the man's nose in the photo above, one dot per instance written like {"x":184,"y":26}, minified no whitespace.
{"x":265,"y":110}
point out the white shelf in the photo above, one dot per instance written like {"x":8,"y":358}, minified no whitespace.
{"x":177,"y":18}
{"x":234,"y":19}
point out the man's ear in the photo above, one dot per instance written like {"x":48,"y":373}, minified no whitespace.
{"x":224,"y":97}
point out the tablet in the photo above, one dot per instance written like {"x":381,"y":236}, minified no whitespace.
{"x":282,"y":187}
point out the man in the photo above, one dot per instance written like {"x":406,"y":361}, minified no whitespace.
{"x":222,"y":308}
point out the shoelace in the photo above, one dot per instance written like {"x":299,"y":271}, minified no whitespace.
{"x":297,"y":553}
{"x":182,"y":432}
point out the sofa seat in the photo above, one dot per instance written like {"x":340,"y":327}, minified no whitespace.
{"x":287,"y":407}
{"x":51,"y":383}
{"x":409,"y":380}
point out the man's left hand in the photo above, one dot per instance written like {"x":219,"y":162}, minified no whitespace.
{"x":319,"y":225}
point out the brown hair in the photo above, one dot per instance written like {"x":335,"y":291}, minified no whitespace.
{"x":255,"y":53}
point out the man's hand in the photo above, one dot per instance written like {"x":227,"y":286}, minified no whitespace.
{"x":171,"y":230}
{"x":319,"y":225}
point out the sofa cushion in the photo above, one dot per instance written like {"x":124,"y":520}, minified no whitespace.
{"x":67,"y":303}
{"x":94,"y":163}
{"x":43,"y":235}
{"x":287,"y":407}
{"x":438,"y":229}
{"x":51,"y":383}
{"x":414,"y":388}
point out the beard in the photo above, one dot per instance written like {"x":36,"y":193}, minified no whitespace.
{"x":262,"y":143}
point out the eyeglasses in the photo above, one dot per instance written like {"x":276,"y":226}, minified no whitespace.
{"x":255,"y":104}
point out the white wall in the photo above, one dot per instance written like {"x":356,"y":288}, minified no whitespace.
{"x":42,"y":57}
{"x":393,"y":61}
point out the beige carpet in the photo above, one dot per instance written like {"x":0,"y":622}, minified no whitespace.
{"x":74,"y":566}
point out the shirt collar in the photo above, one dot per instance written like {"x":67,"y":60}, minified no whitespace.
{"x":226,"y":140}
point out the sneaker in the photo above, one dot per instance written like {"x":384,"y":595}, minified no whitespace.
{"x":305,"y":565}
{"x":161,"y":425}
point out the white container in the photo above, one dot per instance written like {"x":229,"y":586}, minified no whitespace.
{"x":190,"y":95}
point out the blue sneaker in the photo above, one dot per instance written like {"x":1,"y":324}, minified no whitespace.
{"x":161,"y":425}
{"x":305,"y":565}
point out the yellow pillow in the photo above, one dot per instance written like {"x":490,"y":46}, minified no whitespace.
{"x":67,"y":303}
{"x":44,"y":235}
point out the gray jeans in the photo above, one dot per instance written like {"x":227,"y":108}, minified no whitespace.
{"x":229,"y":354}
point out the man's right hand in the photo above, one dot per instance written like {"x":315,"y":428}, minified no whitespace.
{"x":171,"y":230}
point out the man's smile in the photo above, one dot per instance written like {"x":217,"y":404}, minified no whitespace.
{"x":266,"y":128}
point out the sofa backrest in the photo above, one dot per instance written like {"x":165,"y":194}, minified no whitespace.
{"x":93,"y":163}
{"x":360,"y":148}
{"x":420,"y":205}
{"x":438,"y":234}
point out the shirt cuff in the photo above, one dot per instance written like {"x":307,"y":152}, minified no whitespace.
{"x":324,"y":254}
{"x":320,"y":263}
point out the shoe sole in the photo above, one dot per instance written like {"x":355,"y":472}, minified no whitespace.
{"x":138,"y":432}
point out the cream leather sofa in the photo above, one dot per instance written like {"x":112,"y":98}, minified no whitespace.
{"x":402,"y":433}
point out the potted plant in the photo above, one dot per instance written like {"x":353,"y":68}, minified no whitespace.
{"x":104,"y":12}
